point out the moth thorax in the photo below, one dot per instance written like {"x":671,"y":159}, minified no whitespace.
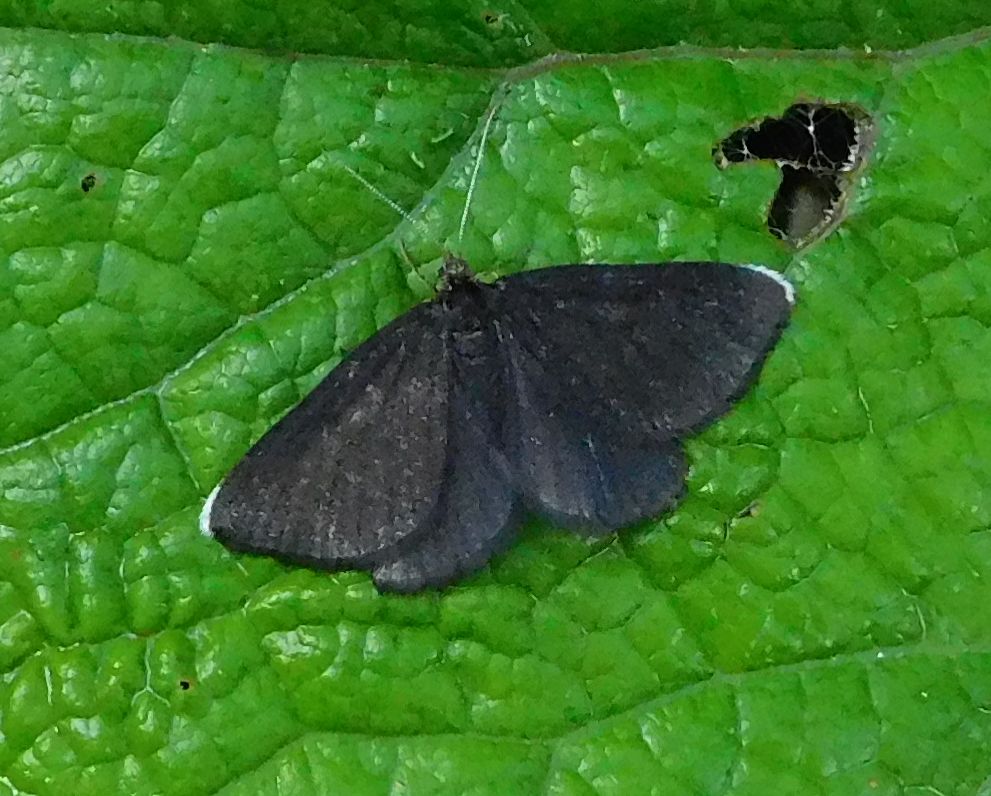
{"x":470,"y":340}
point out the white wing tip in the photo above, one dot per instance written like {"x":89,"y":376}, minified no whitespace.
{"x":789,"y":288}
{"x":207,"y":510}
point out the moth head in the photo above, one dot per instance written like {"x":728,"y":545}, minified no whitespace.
{"x":456,"y":273}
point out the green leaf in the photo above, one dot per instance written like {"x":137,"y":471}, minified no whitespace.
{"x":507,"y":32}
{"x":185,"y":251}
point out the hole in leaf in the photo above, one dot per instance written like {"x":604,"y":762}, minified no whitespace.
{"x":490,"y":17}
{"x":88,"y":183}
{"x":185,"y":685}
{"x":817,"y":137}
{"x":805,"y":199}
{"x":817,"y":146}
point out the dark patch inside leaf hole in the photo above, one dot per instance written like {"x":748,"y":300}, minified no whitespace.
{"x":88,"y":183}
{"x":185,"y":685}
{"x":817,"y":146}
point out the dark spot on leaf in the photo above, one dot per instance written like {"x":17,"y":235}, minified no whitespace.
{"x":88,"y":183}
{"x":817,"y":146}
{"x":495,"y":21}
{"x":752,"y":510}
{"x":185,"y":685}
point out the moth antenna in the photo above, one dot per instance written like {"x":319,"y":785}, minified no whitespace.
{"x":476,"y":168}
{"x":378,"y":193}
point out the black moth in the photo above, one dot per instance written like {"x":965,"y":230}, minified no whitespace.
{"x":562,"y":391}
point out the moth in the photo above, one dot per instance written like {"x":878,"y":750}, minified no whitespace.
{"x":564,"y":391}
